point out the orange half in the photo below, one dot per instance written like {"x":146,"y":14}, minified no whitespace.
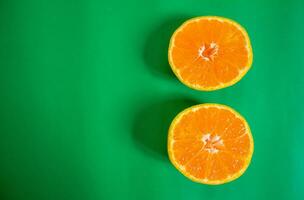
{"x":210,"y":53}
{"x":210,"y":144}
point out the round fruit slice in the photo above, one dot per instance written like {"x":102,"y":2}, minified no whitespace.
{"x":210,"y":144}
{"x":209,"y":53}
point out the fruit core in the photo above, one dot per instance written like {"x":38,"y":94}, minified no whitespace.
{"x":208,"y":51}
{"x":212,"y":143}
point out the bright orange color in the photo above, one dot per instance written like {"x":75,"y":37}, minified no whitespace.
{"x":210,"y":144}
{"x":209,"y":53}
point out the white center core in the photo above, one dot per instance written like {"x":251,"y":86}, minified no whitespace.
{"x":212,"y":143}
{"x":208,"y":51}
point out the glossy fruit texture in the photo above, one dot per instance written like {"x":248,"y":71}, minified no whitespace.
{"x":210,"y":143}
{"x":209,"y":53}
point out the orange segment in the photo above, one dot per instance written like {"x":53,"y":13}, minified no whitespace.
{"x":210,"y":143}
{"x":209,"y":53}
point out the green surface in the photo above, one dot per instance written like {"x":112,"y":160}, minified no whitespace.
{"x":87,"y":96}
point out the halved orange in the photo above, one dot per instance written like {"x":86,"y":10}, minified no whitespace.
{"x":210,"y":143}
{"x":209,"y":53}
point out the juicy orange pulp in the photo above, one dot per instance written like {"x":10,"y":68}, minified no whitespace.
{"x":210,"y":143}
{"x":209,"y":53}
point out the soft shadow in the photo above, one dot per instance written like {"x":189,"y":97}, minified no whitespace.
{"x":157,"y":43}
{"x":151,"y":124}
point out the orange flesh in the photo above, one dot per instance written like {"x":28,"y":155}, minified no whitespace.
{"x":210,"y":144}
{"x":209,"y":53}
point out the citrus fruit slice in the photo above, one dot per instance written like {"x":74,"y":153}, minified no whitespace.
{"x":209,"y":53}
{"x":210,"y":144}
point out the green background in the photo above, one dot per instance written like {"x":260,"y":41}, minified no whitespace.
{"x":87,"y":96}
